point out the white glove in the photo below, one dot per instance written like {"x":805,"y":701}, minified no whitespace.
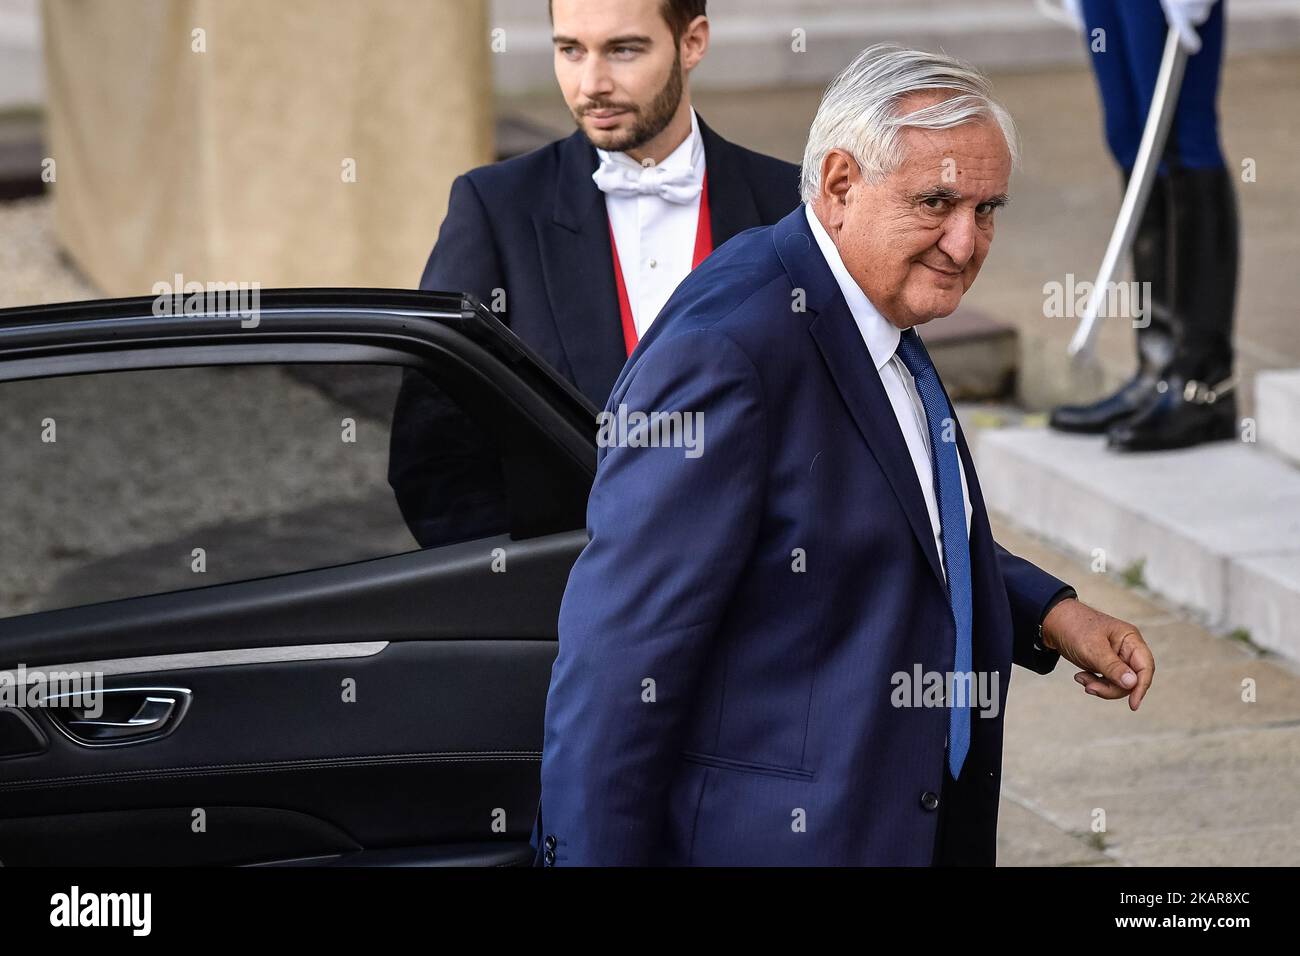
{"x":1185,"y":16}
{"x":1074,"y":10}
{"x":1069,"y":13}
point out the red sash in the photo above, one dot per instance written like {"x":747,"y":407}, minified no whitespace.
{"x":703,"y":246}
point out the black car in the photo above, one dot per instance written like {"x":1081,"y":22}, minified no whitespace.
{"x":200,"y":512}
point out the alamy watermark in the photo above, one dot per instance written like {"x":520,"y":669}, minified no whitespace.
{"x":21,"y":688}
{"x":178,"y":297}
{"x":634,"y":429}
{"x":79,"y":908}
{"x":1119,"y":300}
{"x":920,"y":688}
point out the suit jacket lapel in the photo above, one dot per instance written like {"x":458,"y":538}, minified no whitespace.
{"x":854,"y":373}
{"x":732,"y":208}
{"x":982,"y":555}
{"x":578,"y":267}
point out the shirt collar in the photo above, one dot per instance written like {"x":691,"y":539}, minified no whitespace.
{"x":688,"y":155}
{"x":880,"y":335}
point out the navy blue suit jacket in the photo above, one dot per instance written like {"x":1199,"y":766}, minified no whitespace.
{"x":710,"y":703}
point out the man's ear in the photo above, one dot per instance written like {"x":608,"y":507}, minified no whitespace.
{"x":840,"y":172}
{"x":695,"y":42}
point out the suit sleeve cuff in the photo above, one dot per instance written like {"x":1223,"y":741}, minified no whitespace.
{"x":1066,"y":592}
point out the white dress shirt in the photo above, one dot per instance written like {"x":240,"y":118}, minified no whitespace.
{"x":881,"y":338}
{"x":655,"y":237}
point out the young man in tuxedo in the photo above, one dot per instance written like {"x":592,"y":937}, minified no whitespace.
{"x":577,"y":245}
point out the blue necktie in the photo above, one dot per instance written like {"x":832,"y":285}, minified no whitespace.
{"x":946,"y":463}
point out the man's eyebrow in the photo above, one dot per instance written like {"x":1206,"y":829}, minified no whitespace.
{"x":952,"y":195}
{"x":560,"y":40}
{"x":630,"y":38}
{"x":937,"y":192}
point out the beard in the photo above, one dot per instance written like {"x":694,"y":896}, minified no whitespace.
{"x":650,"y":120}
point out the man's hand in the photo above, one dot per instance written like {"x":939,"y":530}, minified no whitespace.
{"x":1185,"y":16}
{"x":1115,"y":659}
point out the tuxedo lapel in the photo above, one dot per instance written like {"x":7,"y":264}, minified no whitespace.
{"x":578,"y":267}
{"x":849,"y":362}
{"x":732,"y":208}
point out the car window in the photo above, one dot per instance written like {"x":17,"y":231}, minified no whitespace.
{"x":136,"y":482}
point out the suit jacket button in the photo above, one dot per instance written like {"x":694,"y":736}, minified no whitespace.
{"x":550,"y":841}
{"x":550,"y":857}
{"x":929,"y":800}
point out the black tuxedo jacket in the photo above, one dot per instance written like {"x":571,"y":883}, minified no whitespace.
{"x":535,"y":227}
{"x":530,"y":238}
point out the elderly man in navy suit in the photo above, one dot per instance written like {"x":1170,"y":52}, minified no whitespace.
{"x":790,"y":638}
{"x":577,"y":245}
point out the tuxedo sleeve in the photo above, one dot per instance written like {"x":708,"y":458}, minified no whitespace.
{"x":670,"y":533}
{"x":444,"y":472}
{"x":1032,"y":592}
{"x":465,"y":257}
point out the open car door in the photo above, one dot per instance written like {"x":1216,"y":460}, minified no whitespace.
{"x":294,"y":662}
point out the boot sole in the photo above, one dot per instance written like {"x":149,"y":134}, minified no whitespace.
{"x":1221,"y":434}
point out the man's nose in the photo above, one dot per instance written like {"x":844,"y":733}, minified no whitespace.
{"x":958,"y":242}
{"x":596,"y":80}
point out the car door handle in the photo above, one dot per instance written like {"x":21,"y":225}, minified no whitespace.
{"x":119,"y":715}
{"x":151,"y":716}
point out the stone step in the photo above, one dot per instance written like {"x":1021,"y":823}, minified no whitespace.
{"x":516,"y":135}
{"x":1214,"y":528}
{"x":1277,"y":410}
{"x":21,"y":154}
{"x":20,"y":169}
{"x":976,"y":356}
{"x":1264,"y":599}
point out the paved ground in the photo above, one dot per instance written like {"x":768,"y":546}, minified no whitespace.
{"x":1196,"y":777}
{"x":246,"y":463}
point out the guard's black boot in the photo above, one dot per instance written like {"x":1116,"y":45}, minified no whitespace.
{"x":1155,"y":340}
{"x":1196,"y":402}
{"x":1182,"y":412}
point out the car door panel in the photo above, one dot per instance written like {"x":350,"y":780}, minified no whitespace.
{"x":441,"y":736}
{"x":383,"y":712}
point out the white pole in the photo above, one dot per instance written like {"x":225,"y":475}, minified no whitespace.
{"x":1164,"y":102}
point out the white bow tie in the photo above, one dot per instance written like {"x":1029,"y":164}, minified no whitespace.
{"x":620,"y":179}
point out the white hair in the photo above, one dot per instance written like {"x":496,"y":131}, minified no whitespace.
{"x":859,"y":110}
